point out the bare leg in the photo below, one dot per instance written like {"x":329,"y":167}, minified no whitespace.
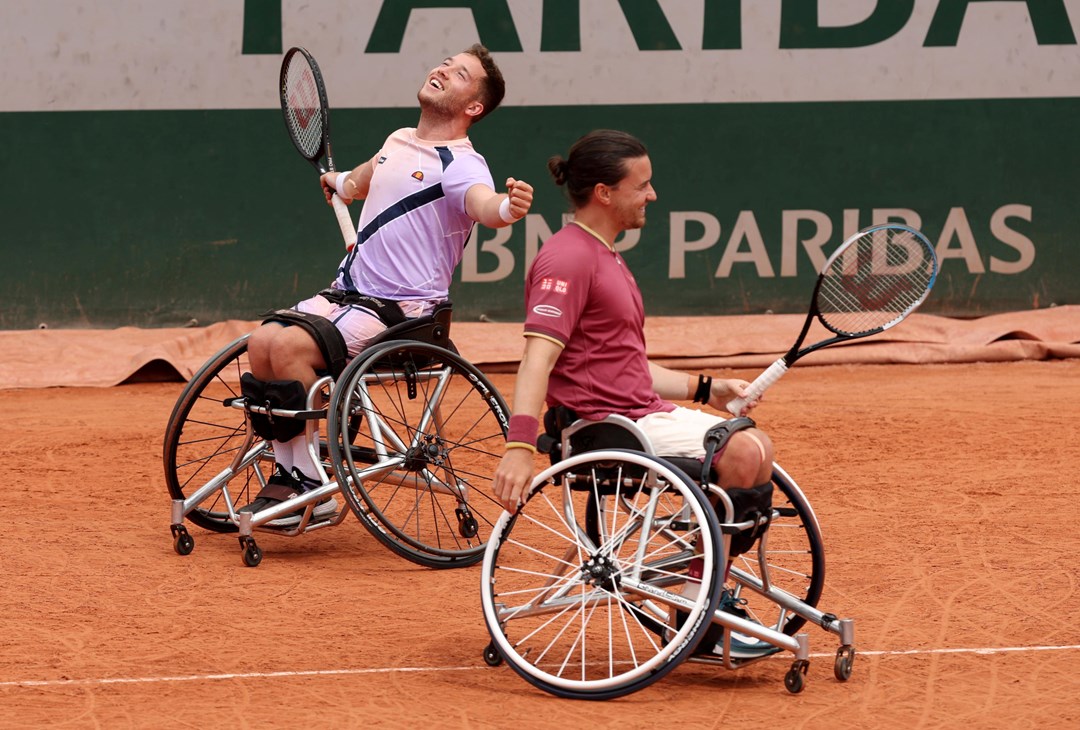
{"x":284,"y":353}
{"x":746,"y":461}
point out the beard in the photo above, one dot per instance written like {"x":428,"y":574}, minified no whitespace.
{"x":631,"y":219}
{"x":440,"y":104}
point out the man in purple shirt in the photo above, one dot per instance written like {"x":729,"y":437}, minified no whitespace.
{"x":424,"y":191}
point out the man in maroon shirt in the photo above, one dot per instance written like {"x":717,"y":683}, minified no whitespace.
{"x":584,"y":331}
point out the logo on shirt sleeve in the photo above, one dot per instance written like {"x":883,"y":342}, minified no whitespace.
{"x":547,"y":310}
{"x":556,"y":285}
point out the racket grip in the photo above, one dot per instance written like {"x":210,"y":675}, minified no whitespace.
{"x":348,"y":228}
{"x":773,"y":373}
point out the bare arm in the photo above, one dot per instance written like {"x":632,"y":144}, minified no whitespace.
{"x":483,"y":204}
{"x":356,"y":184}
{"x":676,"y":385}
{"x":672,"y":384}
{"x":515,"y":471}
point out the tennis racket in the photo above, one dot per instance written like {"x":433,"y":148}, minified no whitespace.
{"x":307,"y":117}
{"x":871,"y":283}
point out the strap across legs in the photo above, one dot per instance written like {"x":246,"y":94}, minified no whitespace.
{"x":329,"y":339}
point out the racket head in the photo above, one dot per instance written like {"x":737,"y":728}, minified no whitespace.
{"x":875,"y":279}
{"x":305,"y":107}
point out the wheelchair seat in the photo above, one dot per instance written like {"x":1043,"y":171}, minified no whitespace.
{"x":432,"y":329}
{"x":566,"y":434}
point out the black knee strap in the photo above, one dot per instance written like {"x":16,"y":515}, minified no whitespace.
{"x":329,"y":339}
{"x":285,"y":394}
{"x":754,"y":504}
{"x":716,"y":439}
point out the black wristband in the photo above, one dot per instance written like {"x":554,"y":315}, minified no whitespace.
{"x":704,"y":389}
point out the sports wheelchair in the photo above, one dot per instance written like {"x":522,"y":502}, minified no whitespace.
{"x":410,"y":434}
{"x":587,"y":590}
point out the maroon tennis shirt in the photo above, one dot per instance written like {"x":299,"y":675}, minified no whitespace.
{"x":581,"y":294}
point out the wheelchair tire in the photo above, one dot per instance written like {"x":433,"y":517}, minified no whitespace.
{"x":587,"y":617}
{"x":416,"y":466}
{"x":203,"y":435}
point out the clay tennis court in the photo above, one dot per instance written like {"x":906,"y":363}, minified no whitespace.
{"x":942,"y":467}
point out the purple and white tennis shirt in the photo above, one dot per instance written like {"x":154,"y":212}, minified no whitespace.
{"x":413,"y":227}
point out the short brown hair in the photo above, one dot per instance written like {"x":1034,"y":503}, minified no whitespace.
{"x":492,"y":86}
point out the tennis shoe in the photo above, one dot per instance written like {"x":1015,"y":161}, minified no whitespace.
{"x":283,"y":486}
{"x":742,"y":646}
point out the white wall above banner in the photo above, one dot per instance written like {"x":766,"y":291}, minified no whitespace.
{"x":69,"y":55}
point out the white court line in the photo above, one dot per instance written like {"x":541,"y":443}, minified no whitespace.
{"x":394,"y":670}
{"x":245,"y":675}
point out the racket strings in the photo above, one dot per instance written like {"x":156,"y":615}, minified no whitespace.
{"x":303,"y":112}
{"x":876,"y":282}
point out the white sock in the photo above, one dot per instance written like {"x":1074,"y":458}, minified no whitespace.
{"x":301,"y":459}
{"x":283,"y":454}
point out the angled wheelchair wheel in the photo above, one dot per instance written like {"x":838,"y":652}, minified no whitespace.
{"x":794,"y":559}
{"x":203,"y":436}
{"x":415,"y":433}
{"x":597,"y":611}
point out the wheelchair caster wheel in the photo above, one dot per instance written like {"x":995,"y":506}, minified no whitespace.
{"x":845,"y":657}
{"x":252,"y":553}
{"x":492,"y":657}
{"x":183,"y":542}
{"x":469,"y":527}
{"x":793,"y":680}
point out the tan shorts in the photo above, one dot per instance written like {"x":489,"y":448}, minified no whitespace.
{"x":680,"y":432}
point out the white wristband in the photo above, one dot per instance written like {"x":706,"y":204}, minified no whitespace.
{"x":339,"y":183}
{"x":504,"y":211}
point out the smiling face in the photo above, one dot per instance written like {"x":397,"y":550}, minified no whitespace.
{"x":453,"y":87}
{"x":630,"y":196}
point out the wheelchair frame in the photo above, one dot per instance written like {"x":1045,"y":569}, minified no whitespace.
{"x":583,"y":588}
{"x":412,"y":469}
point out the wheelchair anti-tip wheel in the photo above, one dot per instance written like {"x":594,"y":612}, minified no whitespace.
{"x":600,"y":616}
{"x":203,"y":436}
{"x":415,"y":434}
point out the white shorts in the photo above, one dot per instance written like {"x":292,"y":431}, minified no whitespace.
{"x":358,"y":325}
{"x":680,"y":432}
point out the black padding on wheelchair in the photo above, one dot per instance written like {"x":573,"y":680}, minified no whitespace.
{"x":589,"y":438}
{"x":288,"y":395}
{"x":328,"y":337}
{"x":432,"y":329}
{"x":550,"y":441}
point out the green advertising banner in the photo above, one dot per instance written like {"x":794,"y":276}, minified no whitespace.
{"x":148,"y":179}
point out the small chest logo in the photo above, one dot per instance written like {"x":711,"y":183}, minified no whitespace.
{"x":419,"y":175}
{"x":382,"y":159}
